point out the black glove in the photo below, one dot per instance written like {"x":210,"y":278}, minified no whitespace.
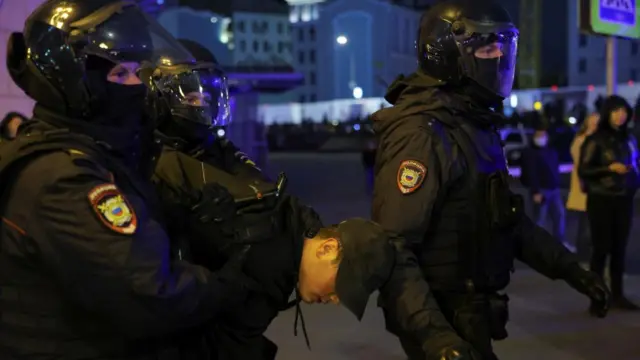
{"x":465,"y":352}
{"x":213,"y":203}
{"x":451,"y":347}
{"x":592,"y":285}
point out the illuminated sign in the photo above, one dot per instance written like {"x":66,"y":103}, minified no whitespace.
{"x":619,"y":18}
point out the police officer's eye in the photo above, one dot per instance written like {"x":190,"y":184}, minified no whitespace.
{"x":490,"y":51}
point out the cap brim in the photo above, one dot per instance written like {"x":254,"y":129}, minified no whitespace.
{"x":351,"y":292}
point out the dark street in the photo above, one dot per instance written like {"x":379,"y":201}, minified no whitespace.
{"x":548,"y":319}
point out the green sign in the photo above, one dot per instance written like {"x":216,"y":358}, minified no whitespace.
{"x":611,"y":17}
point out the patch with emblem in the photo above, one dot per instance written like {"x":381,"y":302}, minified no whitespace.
{"x":411,"y":175}
{"x":113,"y":209}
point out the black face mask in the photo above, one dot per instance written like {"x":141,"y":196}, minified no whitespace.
{"x":123,"y":106}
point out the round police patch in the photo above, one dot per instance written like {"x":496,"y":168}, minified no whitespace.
{"x":113,"y":209}
{"x":411,"y":175}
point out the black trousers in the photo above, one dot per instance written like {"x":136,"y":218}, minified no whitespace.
{"x":610,"y":219}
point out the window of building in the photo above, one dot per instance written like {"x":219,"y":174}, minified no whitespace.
{"x":315,"y":12}
{"x":301,"y":34}
{"x":255,"y":27}
{"x":266,"y":46}
{"x":265,"y":26}
{"x":634,"y":47}
{"x":243,"y":45}
{"x":302,"y":99}
{"x":583,"y":40}
{"x":300,"y":57}
{"x":256,"y":46}
{"x":313,"y":98}
{"x":312,"y":33}
{"x":281,"y":47}
{"x":294,"y":14}
{"x":312,"y":78}
{"x":633,"y":76}
{"x":312,"y":56}
{"x":582,"y":66}
{"x":305,"y":13}
{"x":240,"y":26}
{"x":280,"y":28}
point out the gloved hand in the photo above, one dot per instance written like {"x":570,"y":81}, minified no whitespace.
{"x":213,"y":203}
{"x":452,"y":347}
{"x":592,"y":285}
{"x":459,"y":353}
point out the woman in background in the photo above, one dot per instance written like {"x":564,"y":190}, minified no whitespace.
{"x":609,"y":170}
{"x":577,"y":200}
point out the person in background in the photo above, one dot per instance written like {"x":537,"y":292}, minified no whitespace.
{"x":10,"y":124}
{"x":541,"y":175}
{"x":577,"y":200}
{"x":609,"y":170}
{"x":368,"y":162}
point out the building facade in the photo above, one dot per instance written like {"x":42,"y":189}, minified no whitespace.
{"x":566,"y":56}
{"x":352,"y":48}
{"x":587,"y":55}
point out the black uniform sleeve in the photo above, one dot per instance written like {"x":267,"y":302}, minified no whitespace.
{"x":540,"y":250}
{"x":308,"y":218}
{"x":588,"y":167}
{"x":126,"y":276}
{"x":403,"y":206}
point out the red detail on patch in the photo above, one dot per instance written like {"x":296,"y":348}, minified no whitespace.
{"x":99,"y":198}
{"x":411,"y":175}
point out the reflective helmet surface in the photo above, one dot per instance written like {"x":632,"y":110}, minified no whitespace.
{"x":60,"y":36}
{"x":469,"y":40}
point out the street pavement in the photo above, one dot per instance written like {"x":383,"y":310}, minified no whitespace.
{"x":548,"y":319}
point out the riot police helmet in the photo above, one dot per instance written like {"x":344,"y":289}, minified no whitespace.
{"x":65,"y":41}
{"x":468,"y":40}
{"x":188,"y":100}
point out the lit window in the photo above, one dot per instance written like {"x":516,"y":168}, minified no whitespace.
{"x":306,"y":13}
{"x":294,"y":14}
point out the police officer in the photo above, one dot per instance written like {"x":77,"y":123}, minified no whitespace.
{"x":237,"y":207}
{"x":343,"y":263}
{"x":85,"y":270}
{"x":442,"y":183}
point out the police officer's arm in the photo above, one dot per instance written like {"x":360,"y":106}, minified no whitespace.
{"x":235,"y":159}
{"x":115,"y":263}
{"x":589,"y":166}
{"x":308,"y":218}
{"x":543,"y":252}
{"x":409,"y":177}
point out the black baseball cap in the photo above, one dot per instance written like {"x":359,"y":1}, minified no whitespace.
{"x":368,"y":257}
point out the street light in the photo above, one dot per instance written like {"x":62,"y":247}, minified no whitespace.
{"x":342,"y":40}
{"x":357,"y":92}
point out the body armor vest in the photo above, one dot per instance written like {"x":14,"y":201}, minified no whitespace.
{"x":468,"y":246}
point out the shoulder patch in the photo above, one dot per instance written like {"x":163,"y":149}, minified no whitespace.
{"x":411,"y":175}
{"x":113,"y":209}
